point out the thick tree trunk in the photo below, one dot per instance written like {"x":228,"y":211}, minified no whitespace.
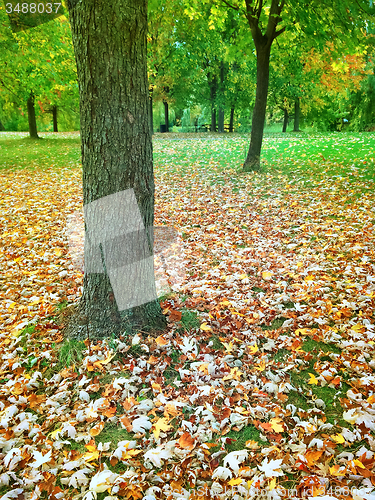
{"x":31,"y":116}
{"x":286,"y":120}
{"x":221,"y":113}
{"x":166,"y":115}
{"x":231,"y":120}
{"x":151,"y":115}
{"x":54,"y":117}
{"x":297,"y":112}
{"x":116,"y":159}
{"x":252,"y":162}
{"x":213,"y":120}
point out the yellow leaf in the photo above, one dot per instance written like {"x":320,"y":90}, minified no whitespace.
{"x":313,"y":379}
{"x":276,"y":424}
{"x":338,"y":438}
{"x":107,"y":359}
{"x":272,"y":484}
{"x":89,"y":457}
{"x":266,"y":275}
{"x":302,"y":331}
{"x":261,"y":366}
{"x":205,"y":327}
{"x":253,"y":349}
{"x":358,"y":463}
{"x":160,"y":425}
{"x":58,"y":252}
{"x":234,"y":482}
{"x":54,"y":434}
{"x":225,"y":303}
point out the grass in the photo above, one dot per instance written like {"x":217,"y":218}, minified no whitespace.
{"x":248,"y":433}
{"x":70,"y":353}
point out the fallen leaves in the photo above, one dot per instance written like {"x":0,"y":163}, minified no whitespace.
{"x":284,"y":286}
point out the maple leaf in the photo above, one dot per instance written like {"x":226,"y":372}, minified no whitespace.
{"x":160,"y":425}
{"x":272,"y":468}
{"x":222,"y":473}
{"x":276,"y":424}
{"x":234,"y":459}
{"x":313,"y":379}
{"x":102,"y":481}
{"x":40,"y":459}
{"x":186,"y":441}
{"x":141,"y":424}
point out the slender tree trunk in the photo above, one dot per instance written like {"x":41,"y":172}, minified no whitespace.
{"x":116,"y":159}
{"x":231,"y":120}
{"x":252,"y":162}
{"x":166,"y":115}
{"x":286,"y":120}
{"x":213,"y":91}
{"x":31,"y":116}
{"x":297,"y":113}
{"x":151,"y":115}
{"x":221,"y":113}
{"x":54,"y":117}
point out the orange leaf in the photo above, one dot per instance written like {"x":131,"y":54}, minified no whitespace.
{"x":161,"y":340}
{"x":175,"y":315}
{"x":186,"y":441}
{"x":97,"y":429}
{"x":125,"y":422}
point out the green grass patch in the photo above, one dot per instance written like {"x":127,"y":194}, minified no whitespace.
{"x":70,"y":353}
{"x":250,"y":432}
{"x":189,"y":321}
{"x":313,"y":345}
{"x":114,"y":433}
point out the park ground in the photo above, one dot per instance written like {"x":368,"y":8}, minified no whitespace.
{"x":263,"y":383}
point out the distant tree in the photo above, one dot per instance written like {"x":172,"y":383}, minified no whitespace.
{"x":318,"y":20}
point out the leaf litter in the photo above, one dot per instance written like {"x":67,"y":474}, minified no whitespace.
{"x":267,"y":389}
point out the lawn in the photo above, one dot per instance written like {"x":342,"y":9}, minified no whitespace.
{"x":263,"y":383}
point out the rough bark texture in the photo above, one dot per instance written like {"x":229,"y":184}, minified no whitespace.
{"x":31,"y":116}
{"x":297,"y":112}
{"x":252,"y":162}
{"x":54,"y":118}
{"x":151,"y":115}
{"x":166,"y":115}
{"x":231,"y":120}
{"x":286,"y":120}
{"x":110,"y":48}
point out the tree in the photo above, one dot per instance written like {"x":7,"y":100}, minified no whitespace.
{"x":318,"y":20}
{"x":110,"y":47}
{"x":37,"y":66}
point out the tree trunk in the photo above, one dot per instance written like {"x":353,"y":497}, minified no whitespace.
{"x":231,"y":120}
{"x":252,"y":162}
{"x":54,"y":117}
{"x":221,"y":113}
{"x":297,"y":112}
{"x":31,"y":116}
{"x":118,"y":179}
{"x":213,"y":90}
{"x":166,"y":116}
{"x":151,"y":115}
{"x":286,"y":120}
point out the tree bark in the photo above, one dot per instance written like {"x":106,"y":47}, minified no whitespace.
{"x":31,"y":117}
{"x":231,"y":120}
{"x":116,"y":153}
{"x":54,"y":117}
{"x":151,"y":114}
{"x":297,"y":112}
{"x":166,"y":115}
{"x":213,"y":91}
{"x":286,"y":120}
{"x":252,"y":162}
